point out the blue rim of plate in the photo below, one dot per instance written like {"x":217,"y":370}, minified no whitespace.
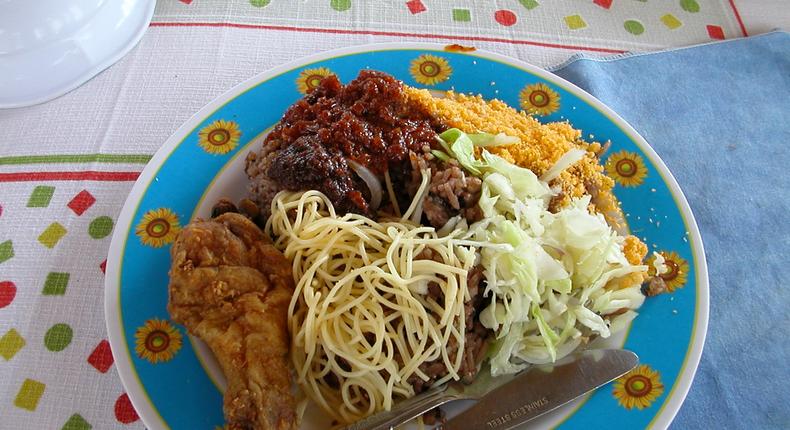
{"x":166,"y":380}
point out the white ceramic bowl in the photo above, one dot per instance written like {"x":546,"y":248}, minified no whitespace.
{"x":50,"y":47}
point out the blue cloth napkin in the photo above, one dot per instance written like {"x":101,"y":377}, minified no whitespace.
{"x":719,"y":117}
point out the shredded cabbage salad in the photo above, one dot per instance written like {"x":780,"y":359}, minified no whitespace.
{"x":549,"y":293}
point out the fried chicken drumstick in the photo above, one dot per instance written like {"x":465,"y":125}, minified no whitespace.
{"x":230,"y":287}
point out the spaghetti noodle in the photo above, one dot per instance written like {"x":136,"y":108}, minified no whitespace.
{"x":360,"y":319}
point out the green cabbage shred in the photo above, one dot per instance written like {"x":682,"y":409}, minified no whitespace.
{"x":549,"y":293}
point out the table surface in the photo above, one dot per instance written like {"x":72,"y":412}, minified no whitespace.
{"x":67,"y":166}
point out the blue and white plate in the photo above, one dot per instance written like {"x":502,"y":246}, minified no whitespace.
{"x":174,"y":382}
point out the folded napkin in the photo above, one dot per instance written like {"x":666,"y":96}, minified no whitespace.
{"x":719,"y":117}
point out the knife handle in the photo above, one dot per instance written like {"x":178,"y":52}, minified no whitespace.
{"x":405,"y":410}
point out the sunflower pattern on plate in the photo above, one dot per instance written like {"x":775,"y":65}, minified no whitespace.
{"x":638,"y":388}
{"x":158,"y":227}
{"x":539,"y":99}
{"x":219,"y":137}
{"x":157,"y":341}
{"x":309,"y":79}
{"x":430,"y":70}
{"x":156,"y":223}
{"x":677,"y":270}
{"x":626,"y":168}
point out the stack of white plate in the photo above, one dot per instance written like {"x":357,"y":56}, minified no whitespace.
{"x":50,"y":47}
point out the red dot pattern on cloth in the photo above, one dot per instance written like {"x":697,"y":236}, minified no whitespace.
{"x":7,"y":293}
{"x":415,"y":6}
{"x":103,"y":266}
{"x":505,"y":17}
{"x":81,"y":202}
{"x":101,"y":357}
{"x":715,"y":32}
{"x":124,"y":411}
{"x":606,"y":4}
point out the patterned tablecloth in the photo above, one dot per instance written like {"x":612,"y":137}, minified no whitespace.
{"x":67,"y":166}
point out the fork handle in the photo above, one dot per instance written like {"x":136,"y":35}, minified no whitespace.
{"x":404,"y":411}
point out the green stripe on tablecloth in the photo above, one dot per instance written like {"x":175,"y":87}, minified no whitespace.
{"x":76,"y":158}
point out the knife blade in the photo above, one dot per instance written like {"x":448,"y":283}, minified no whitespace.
{"x":542,"y":389}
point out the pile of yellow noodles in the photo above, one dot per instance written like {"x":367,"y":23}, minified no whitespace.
{"x":360,"y":321}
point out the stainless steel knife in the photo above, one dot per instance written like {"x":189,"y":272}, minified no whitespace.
{"x":543,"y":389}
{"x":508,"y":401}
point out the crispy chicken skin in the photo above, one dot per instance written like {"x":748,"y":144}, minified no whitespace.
{"x":230,"y":287}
